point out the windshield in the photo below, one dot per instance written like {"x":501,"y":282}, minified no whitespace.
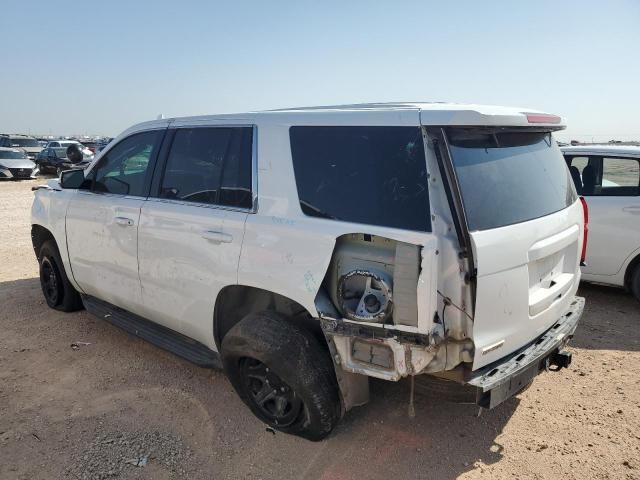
{"x":24,"y":142}
{"x":4,"y":154}
{"x":509,"y":177}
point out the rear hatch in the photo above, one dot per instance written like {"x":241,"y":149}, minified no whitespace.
{"x":525,"y":223}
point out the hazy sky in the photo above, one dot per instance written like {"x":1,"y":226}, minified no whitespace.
{"x":82,"y":67}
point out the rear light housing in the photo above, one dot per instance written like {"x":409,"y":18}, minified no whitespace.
{"x":585,"y":231}
{"x":543,"y":118}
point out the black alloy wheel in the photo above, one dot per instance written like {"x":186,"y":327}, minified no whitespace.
{"x":49,"y":279}
{"x":271,"y":395}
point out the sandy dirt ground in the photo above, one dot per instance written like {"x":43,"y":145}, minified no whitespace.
{"x":121,"y":408}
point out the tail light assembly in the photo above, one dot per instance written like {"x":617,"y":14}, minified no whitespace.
{"x":585,"y":231}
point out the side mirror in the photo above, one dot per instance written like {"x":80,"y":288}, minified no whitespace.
{"x":72,"y":179}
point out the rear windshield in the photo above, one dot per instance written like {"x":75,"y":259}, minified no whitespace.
{"x":11,"y":154}
{"x":24,"y":142}
{"x":509,"y":177}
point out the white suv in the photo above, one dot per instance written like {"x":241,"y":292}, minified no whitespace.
{"x":306,"y":250}
{"x":608,"y":177}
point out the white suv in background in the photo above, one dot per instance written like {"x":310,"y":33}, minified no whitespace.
{"x":608,"y":177}
{"x":66,"y":143}
{"x":306,"y":250}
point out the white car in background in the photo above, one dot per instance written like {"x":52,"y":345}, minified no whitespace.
{"x":608,"y":177}
{"x":88,"y":154}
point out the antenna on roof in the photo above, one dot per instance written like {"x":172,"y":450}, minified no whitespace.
{"x":160,"y":117}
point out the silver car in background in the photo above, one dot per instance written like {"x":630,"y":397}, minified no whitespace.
{"x":15,"y":165}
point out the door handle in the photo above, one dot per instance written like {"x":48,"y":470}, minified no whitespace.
{"x":217,"y":237}
{"x":127,"y":222}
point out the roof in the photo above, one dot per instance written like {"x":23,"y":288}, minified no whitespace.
{"x":391,"y":106}
{"x":18,"y":135}
{"x":398,"y":113}
{"x":628,"y":150}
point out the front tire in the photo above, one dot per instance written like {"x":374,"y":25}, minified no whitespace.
{"x":282,"y":373}
{"x":57,"y":290}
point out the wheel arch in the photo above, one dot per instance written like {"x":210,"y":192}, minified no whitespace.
{"x":631,"y":267}
{"x":234,"y":302}
{"x":40,"y":235}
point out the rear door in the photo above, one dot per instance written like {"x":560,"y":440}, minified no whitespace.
{"x":192,"y":226}
{"x":524,"y":221}
{"x":611,"y":187}
{"x":102,"y":222}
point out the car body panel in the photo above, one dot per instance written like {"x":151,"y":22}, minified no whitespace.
{"x":102,"y":236}
{"x":513,"y":305}
{"x":179,"y":290}
{"x":49,"y":210}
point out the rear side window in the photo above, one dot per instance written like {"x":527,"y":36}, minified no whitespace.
{"x":509,"y":177}
{"x":605,"y":176}
{"x":620,"y":176}
{"x":369,"y":175}
{"x":210,"y":165}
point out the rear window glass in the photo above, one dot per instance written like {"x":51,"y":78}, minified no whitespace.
{"x":369,"y":175}
{"x":10,"y":154}
{"x":509,"y":177}
{"x":24,"y":142}
{"x":620,"y":172}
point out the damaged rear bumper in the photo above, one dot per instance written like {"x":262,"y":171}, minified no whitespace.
{"x":501,"y":380}
{"x":379,"y":352}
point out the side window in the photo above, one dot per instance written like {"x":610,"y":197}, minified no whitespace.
{"x":210,"y":165}
{"x":124,"y":169}
{"x":369,"y":175}
{"x":620,"y":176}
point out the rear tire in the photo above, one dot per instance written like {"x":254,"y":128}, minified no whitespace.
{"x":57,"y":290}
{"x":635,"y":283}
{"x":282,"y":373}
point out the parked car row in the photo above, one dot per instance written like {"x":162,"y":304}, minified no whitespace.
{"x":48,"y":156}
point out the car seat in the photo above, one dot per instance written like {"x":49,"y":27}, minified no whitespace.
{"x":588,"y":180}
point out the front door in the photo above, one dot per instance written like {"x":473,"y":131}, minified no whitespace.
{"x":102,"y":222}
{"x":192,"y":226}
